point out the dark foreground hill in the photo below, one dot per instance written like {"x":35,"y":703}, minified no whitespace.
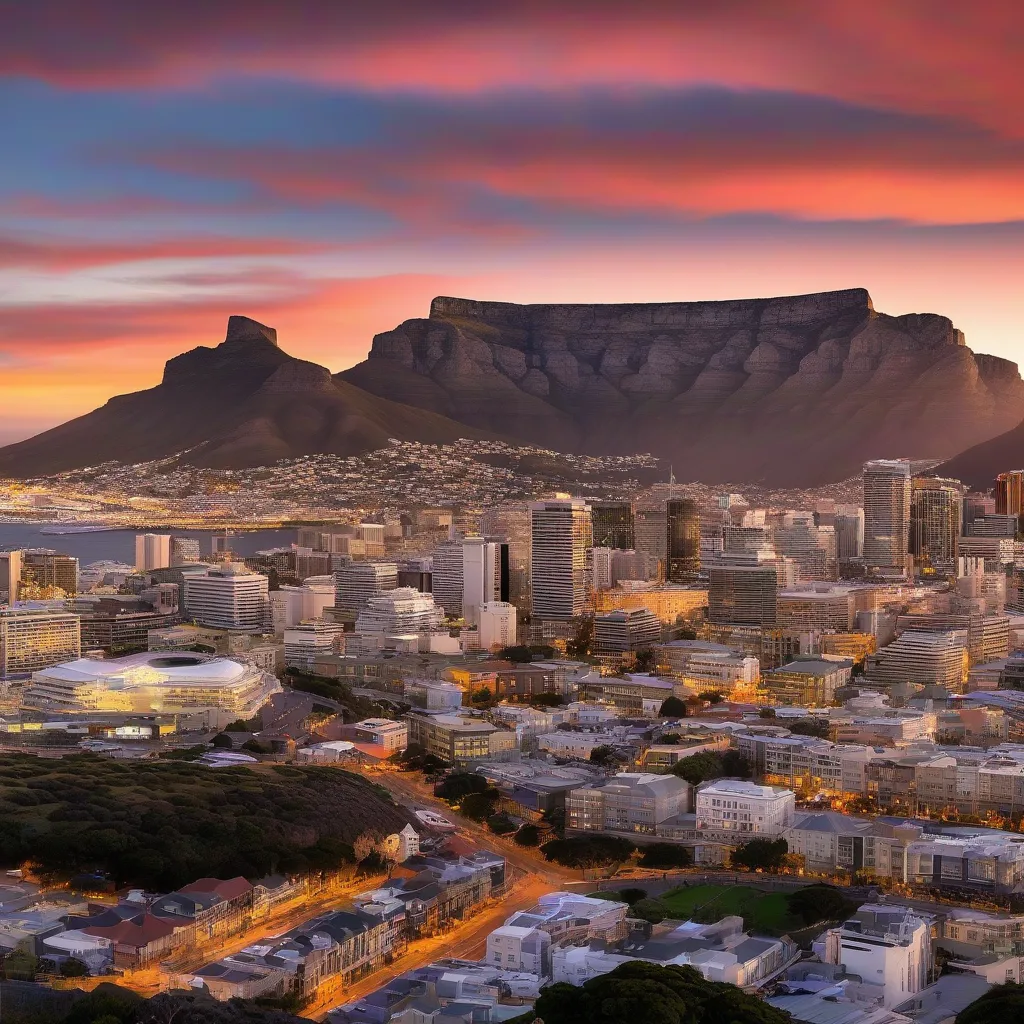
{"x":243,"y":403}
{"x":793,"y":391}
{"x":980,"y":464}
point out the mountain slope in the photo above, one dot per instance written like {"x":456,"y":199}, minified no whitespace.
{"x":979,"y":465}
{"x":243,"y":403}
{"x":797,"y":390}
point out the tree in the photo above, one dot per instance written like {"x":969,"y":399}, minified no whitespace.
{"x":698,"y":768}
{"x":810,"y":726}
{"x":222,"y":740}
{"x":766,"y":713}
{"x":239,"y":725}
{"x":528,"y":835}
{"x":816,"y":903}
{"x":73,"y":968}
{"x":479,"y":806}
{"x":632,"y":894}
{"x":254,"y":746}
{"x":664,"y":856}
{"x":761,"y":854}
{"x":20,"y":965}
{"x":460,"y":784}
{"x":669,"y":739}
{"x":644,"y":660}
{"x":482,"y":695}
{"x":588,"y":851}
{"x":672,"y":707}
{"x":711,"y":696}
{"x":578,"y":645}
{"x":546,"y":700}
{"x":735,"y":765}
{"x":519,"y":653}
{"x":640,"y":991}
{"x":501,"y":824}
{"x":1000,"y":1004}
{"x":650,"y":910}
{"x":604,"y":755}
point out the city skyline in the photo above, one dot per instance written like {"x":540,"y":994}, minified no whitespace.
{"x":331,"y":174}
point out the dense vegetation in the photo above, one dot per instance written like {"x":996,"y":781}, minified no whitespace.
{"x":160,"y":824}
{"x":588,"y":851}
{"x":353,"y":708}
{"x":664,"y":856}
{"x":999,"y":1005}
{"x":810,"y":726}
{"x":760,"y":855}
{"x":655,"y":995}
{"x":712,"y":764}
{"x":814,"y":903}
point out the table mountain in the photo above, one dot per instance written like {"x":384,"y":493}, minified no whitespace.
{"x":794,"y":391}
{"x":244,"y":403}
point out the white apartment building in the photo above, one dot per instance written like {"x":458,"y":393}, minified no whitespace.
{"x":291,"y":605}
{"x":308,"y":640}
{"x":372,"y":536}
{"x":356,"y":582}
{"x":740,"y":811}
{"x":399,"y":612}
{"x":152,"y":551}
{"x":228,"y":597}
{"x":385,"y":733}
{"x":520,"y":948}
{"x":496,"y":625}
{"x":887,"y":514}
{"x":918,"y":656}
{"x":888,"y":947}
{"x":629,"y":802}
{"x":625,"y":630}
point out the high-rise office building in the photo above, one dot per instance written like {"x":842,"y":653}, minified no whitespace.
{"x":977,"y":505}
{"x":1010,"y":493}
{"x":562,"y":532}
{"x":682,"y":540}
{"x":398,"y":612}
{"x":356,"y":582}
{"x":936,"y":511}
{"x":46,"y":569}
{"x":34,"y":640}
{"x":848,"y":522}
{"x":229,"y":596}
{"x":372,"y":536}
{"x":496,"y":623}
{"x":10,"y":576}
{"x":887,"y":514}
{"x":743,"y":588}
{"x":447,"y":577}
{"x":510,"y":523}
{"x":310,"y":639}
{"x":812,"y":548}
{"x":152,"y":551}
{"x":485,"y":574}
{"x":612,"y":524}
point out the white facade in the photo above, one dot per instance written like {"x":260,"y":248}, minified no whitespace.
{"x":152,"y":551}
{"x":383,"y":732}
{"x":630,"y":802}
{"x":292,"y":605}
{"x":744,"y":810}
{"x":229,"y":597}
{"x":398,"y":612}
{"x":480,"y":575}
{"x":520,"y":949}
{"x":886,"y":514}
{"x":572,"y":744}
{"x":601,"y":560}
{"x":562,"y":531}
{"x":496,"y":622}
{"x":306,"y":641}
{"x":356,"y":582}
{"x":888,"y":947}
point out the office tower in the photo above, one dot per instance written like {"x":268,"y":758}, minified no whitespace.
{"x":682,"y":540}
{"x":478,"y":572}
{"x":624,"y":631}
{"x":291,"y":605}
{"x":650,"y":526}
{"x":561,"y":534}
{"x":496,"y":624}
{"x":993,"y":524}
{"x":399,"y":612}
{"x":1010,"y":493}
{"x":310,"y":563}
{"x":310,"y":537}
{"x":848,"y":522}
{"x":601,"y":562}
{"x":311,"y":639}
{"x":10,"y":576}
{"x":45,"y":569}
{"x":886,"y":514}
{"x":229,"y":596}
{"x":221,"y":544}
{"x":356,"y":582}
{"x":446,"y":580}
{"x":976,"y":505}
{"x":917,"y":656}
{"x":812,"y":548}
{"x":936,"y":511}
{"x":743,"y":587}
{"x":34,"y":640}
{"x":612,"y":524}
{"x":511,"y":524}
{"x":152,"y":551}
{"x":372,"y":536}
{"x":184,"y":550}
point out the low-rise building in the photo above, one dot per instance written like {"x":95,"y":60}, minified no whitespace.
{"x":739,"y":811}
{"x":807,"y":681}
{"x":389,"y":735}
{"x":460,"y":740}
{"x":631,"y":802}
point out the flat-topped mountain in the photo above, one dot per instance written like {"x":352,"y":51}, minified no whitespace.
{"x":243,"y":403}
{"x":795,"y":391}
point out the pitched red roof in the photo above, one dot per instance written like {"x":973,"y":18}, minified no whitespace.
{"x":129,"y":933}
{"x":230,"y":889}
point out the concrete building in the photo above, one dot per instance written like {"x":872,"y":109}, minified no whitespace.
{"x":625,"y":632}
{"x":988,"y":636}
{"x":889,"y":948}
{"x":682,"y":520}
{"x":461,"y":741}
{"x":496,"y":622}
{"x":485,"y":575}
{"x":385,"y":733}
{"x":33,"y":640}
{"x":399,"y":612}
{"x":447,"y":577}
{"x":742,"y":588}
{"x":700,"y":665}
{"x":823,"y":607}
{"x":308,"y":640}
{"x":629,"y":802}
{"x":372,"y":536}
{"x":668,"y":601}
{"x":886,"y":515}
{"x":1009,"y":493}
{"x":356,"y":582}
{"x":918,"y":656}
{"x":43,"y":568}
{"x":736,"y":811}
{"x":520,"y":948}
{"x":848,"y":522}
{"x":936,"y":511}
{"x":811,"y":547}
{"x":807,"y":681}
{"x":229,"y":597}
{"x":10,"y":576}
{"x":290,"y":605}
{"x":152,"y":551}
{"x":561,"y":536}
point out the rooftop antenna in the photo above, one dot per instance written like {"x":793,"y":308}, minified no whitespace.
{"x":671,"y":474}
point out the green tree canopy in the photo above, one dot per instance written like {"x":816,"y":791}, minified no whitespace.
{"x":528,"y":835}
{"x":672,"y":707}
{"x":665,"y":855}
{"x":999,"y":1005}
{"x":698,"y":768}
{"x":816,"y":903}
{"x":588,"y":851}
{"x":763,"y":854}
{"x":479,"y":806}
{"x":459,"y":784}
{"x":810,"y":726}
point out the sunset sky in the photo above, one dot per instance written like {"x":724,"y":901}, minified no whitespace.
{"x":327,"y":167}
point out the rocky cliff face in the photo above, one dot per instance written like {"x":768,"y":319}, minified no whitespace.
{"x":797,"y":390}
